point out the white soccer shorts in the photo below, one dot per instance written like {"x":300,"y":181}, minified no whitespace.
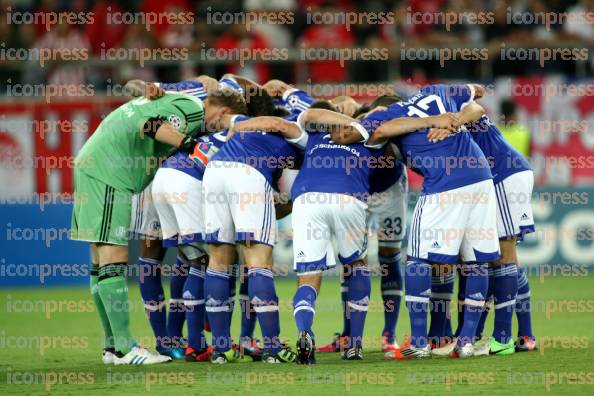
{"x":145,"y":220}
{"x":514,"y":205}
{"x":459,"y":222}
{"x":177,"y":198}
{"x":238,"y":204}
{"x":317,"y":218}
{"x":387,"y":213}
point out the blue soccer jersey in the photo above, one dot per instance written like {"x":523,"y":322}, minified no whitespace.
{"x":382,"y":178}
{"x":454,"y":162}
{"x":208,"y":146}
{"x":195,"y":88}
{"x":269,"y":153}
{"x":504,"y":159}
{"x":295,"y":101}
{"x":335,"y":168}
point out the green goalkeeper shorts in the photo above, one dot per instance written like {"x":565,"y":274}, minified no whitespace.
{"x":101,"y":213}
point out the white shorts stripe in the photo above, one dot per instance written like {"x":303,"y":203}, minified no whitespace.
{"x":266,"y":308}
{"x":505,"y":304}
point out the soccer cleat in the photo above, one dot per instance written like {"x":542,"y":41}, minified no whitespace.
{"x":445,"y":350}
{"x":386,"y":346}
{"x":463,"y":352}
{"x":498,"y":348}
{"x":305,"y":349}
{"x":229,"y":356}
{"x":339,"y":343}
{"x":526,"y":344}
{"x":250,"y":347}
{"x":173,"y":353}
{"x":285,"y":355}
{"x":407,"y":351}
{"x":354,"y":353}
{"x":193,"y":355}
{"x":108,"y":356}
{"x":141,"y":356}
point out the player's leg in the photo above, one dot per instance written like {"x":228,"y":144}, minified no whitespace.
{"x":432,"y":239}
{"x":479,"y":247}
{"x":312,"y":253}
{"x":390,"y":211}
{"x":220,"y":236}
{"x":193,"y":295}
{"x":248,"y":315}
{"x":504,"y":288}
{"x":156,"y":216}
{"x":108,"y":341}
{"x":84,"y":227}
{"x":102,"y":216}
{"x":522,"y":184}
{"x":442,"y":289}
{"x":349,"y":224}
{"x":255,"y":223}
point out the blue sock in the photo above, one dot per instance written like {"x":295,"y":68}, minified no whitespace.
{"x":263,"y":296}
{"x":442,"y":288}
{"x":505,"y":288}
{"x":194,"y":307}
{"x":460,"y":302}
{"x":358,"y":303}
{"x":523,"y":305}
{"x":216,"y":295}
{"x":391,"y":284}
{"x":418,"y":289}
{"x":477,"y":285}
{"x":151,"y":290}
{"x":304,"y":303}
{"x":487,"y":308}
{"x":234,"y":274}
{"x":177,"y":314}
{"x":344,"y":297}
{"x":248,"y":315}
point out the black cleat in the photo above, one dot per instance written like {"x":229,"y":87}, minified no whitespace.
{"x":353,"y":353}
{"x":306,"y":349}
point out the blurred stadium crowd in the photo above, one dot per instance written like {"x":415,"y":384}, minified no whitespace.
{"x":391,"y":26}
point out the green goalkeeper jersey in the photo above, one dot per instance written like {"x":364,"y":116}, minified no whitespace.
{"x":119,"y":155}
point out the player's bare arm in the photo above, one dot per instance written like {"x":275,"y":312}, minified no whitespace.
{"x":149,"y":90}
{"x":400,"y":126}
{"x":288,"y":129}
{"x":346,"y":105}
{"x":471,"y":112}
{"x":276,"y":88}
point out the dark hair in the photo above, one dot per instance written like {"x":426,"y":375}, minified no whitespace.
{"x":361,"y":110}
{"x":385,"y":100}
{"x":259,"y":103}
{"x":507,"y":107}
{"x":280,"y":112}
{"x":229,"y":98}
{"x":322,"y":104}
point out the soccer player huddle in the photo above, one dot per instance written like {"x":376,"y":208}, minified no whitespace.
{"x":197,"y":165}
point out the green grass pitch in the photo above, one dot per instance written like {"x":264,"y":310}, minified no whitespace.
{"x":67,"y":360}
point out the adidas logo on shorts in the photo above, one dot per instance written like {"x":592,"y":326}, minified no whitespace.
{"x":435,"y":245}
{"x":524,"y":217}
{"x":300,"y":254}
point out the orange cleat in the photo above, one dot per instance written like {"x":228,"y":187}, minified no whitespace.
{"x":407,"y":351}
{"x":193,"y":355}
{"x":386,"y":346}
{"x":339,"y":343}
